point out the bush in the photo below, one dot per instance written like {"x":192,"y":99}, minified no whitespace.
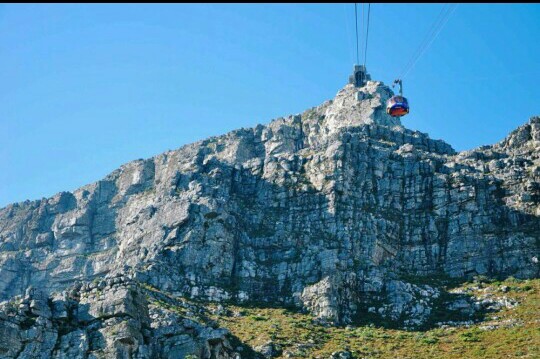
{"x":471,"y":335}
{"x":430,"y":340}
{"x":258,"y":318}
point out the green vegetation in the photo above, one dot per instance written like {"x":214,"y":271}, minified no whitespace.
{"x":472,"y":335}
{"x":258,"y":318}
{"x":509,"y":333}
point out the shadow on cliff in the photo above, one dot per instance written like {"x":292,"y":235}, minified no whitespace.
{"x":293,"y":226}
{"x":281,"y":238}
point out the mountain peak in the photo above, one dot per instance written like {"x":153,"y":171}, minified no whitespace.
{"x":353,"y":106}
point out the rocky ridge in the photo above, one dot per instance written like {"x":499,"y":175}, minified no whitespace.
{"x":340,"y":211}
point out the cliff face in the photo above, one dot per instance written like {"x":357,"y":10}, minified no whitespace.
{"x":113,"y":318}
{"x":331,"y":210}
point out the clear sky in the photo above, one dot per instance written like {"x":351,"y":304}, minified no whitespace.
{"x":85,"y":88}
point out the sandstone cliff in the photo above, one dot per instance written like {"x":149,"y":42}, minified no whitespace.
{"x":339,"y":210}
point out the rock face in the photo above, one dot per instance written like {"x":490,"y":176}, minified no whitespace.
{"x":106,"y":319}
{"x":332,"y":210}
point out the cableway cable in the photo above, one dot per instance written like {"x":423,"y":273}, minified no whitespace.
{"x":356,"y":22}
{"x":367,"y":34}
{"x":430,"y":37}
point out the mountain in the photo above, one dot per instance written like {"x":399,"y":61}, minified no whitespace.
{"x":340,"y":211}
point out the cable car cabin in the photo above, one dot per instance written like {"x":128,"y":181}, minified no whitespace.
{"x":397,"y":106}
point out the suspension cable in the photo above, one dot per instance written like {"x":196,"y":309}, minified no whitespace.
{"x":349,"y":39}
{"x":453,"y":8}
{"x":367,"y":34}
{"x":356,"y":22}
{"x":362,"y":26}
{"x":430,"y":37}
{"x":425,"y":40}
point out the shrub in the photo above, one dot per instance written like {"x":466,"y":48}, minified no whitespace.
{"x":471,"y":335}
{"x":258,"y":318}
{"x":430,"y":340}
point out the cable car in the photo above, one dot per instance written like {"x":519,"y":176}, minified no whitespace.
{"x":398,"y":105}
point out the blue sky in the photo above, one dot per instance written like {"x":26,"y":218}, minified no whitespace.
{"x":85,"y":88}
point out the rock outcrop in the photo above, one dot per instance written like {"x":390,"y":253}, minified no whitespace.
{"x":104,"y":319}
{"x":334,"y":210}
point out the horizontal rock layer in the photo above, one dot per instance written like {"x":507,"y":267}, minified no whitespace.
{"x":330,"y":210}
{"x":106,"y":319}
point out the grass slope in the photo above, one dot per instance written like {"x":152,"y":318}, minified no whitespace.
{"x":509,"y":333}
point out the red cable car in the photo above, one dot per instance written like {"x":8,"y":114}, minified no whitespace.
{"x":398,"y":105}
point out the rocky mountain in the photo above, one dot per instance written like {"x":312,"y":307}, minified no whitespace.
{"x":339,"y":211}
